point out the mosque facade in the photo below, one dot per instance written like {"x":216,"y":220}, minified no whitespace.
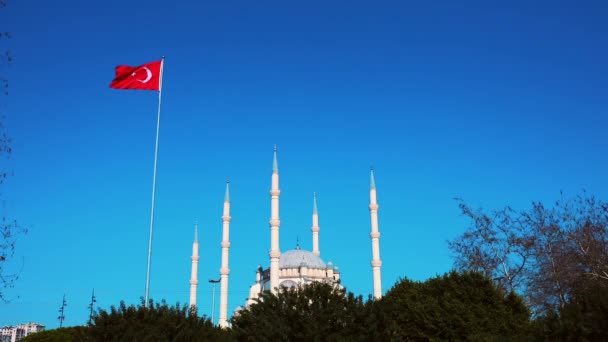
{"x":292,"y":268}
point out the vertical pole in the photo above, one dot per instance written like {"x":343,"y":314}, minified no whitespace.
{"x":212,"y":281}
{"x":160,"y":90}
{"x":213,"y":305}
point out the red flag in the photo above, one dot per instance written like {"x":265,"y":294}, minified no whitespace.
{"x":144,"y":77}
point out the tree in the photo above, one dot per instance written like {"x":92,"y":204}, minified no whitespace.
{"x":494,"y":245}
{"x":314,"y":312}
{"x":584,"y":317}
{"x":455,"y":306}
{"x":156,"y":322}
{"x":542,"y":252}
{"x":71,"y":334}
{"x":9,"y":228}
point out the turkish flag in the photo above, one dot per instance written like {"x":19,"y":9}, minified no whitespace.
{"x":144,"y":77}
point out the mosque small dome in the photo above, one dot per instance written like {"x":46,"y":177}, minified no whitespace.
{"x":289,"y":283}
{"x":295,"y":257}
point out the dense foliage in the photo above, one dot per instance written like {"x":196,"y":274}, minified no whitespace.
{"x":71,"y":334}
{"x":157,"y":322}
{"x":584,"y":317}
{"x":317,"y":312}
{"x":456,"y":306}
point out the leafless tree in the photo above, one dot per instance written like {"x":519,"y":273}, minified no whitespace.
{"x":542,"y":253}
{"x":9,"y":228}
{"x":494,"y":245}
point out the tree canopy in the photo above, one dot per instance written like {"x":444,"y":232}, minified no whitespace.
{"x":71,"y":334}
{"x":455,"y":306}
{"x":584,"y":317}
{"x":315,"y":312}
{"x":156,"y":322}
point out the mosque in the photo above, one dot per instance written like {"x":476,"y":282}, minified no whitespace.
{"x":292,"y":268}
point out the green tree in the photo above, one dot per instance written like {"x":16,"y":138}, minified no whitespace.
{"x":71,"y":334}
{"x":584,"y":317}
{"x":156,"y":322}
{"x":454,"y":307}
{"x":315,"y":312}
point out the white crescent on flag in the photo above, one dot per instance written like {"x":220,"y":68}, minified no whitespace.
{"x":148,"y":75}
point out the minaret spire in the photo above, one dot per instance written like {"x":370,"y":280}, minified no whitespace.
{"x":196,"y":231}
{"x":375,"y":237}
{"x":275,"y":223}
{"x":315,"y":226}
{"x":372,"y":181}
{"x":194,"y":271}
{"x":275,"y":164}
{"x":225,"y":271}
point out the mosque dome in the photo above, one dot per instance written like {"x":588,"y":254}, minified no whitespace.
{"x":289,"y":283}
{"x":295,"y":257}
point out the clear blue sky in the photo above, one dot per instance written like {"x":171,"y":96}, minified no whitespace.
{"x":495,"y":103}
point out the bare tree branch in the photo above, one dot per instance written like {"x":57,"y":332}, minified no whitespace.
{"x":541,"y":253}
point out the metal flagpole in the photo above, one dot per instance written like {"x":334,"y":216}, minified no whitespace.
{"x":212,"y":281}
{"x":160,"y":91}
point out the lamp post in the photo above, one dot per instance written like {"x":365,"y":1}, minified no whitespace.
{"x":213,"y":298}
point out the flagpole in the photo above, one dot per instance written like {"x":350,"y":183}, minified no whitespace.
{"x":160,"y":91}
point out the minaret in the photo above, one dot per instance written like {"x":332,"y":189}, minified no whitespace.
{"x":225,"y":271}
{"x":194,"y":272}
{"x":315,"y":226}
{"x":375,"y":236}
{"x":275,"y":223}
